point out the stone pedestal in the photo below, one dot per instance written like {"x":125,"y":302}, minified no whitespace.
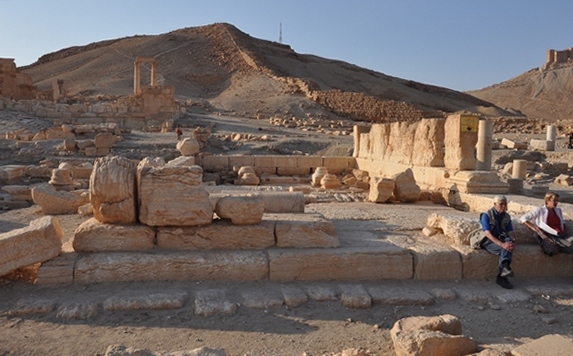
{"x":478,"y":182}
{"x":460,"y":141}
{"x":515,"y":185}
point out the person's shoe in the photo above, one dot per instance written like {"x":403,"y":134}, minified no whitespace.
{"x":503,"y":282}
{"x":506,"y":272}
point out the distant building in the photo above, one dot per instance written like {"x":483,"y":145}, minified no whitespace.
{"x":14,"y":84}
{"x":558,"y":57}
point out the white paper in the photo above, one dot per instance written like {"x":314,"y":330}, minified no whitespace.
{"x":548,"y":229}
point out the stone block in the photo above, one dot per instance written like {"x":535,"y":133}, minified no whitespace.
{"x":460,"y":139}
{"x":270,"y":170}
{"x":406,"y":190}
{"x":241,"y":209}
{"x":18,"y":192}
{"x":564,"y":180}
{"x":186,"y":161}
{"x":95,"y":236}
{"x":455,"y":226}
{"x":188,"y":146}
{"x":40,"y":241}
{"x":293,"y":171}
{"x":517,"y":145}
{"x":337,"y":165}
{"x":340,"y":264}
{"x":56,"y":202}
{"x":234,"y":266}
{"x":309,"y":161}
{"x":173,"y":196}
{"x":240,"y":161}
{"x":59,"y":270}
{"x":553,"y":344}
{"x":304,"y":231}
{"x":381,"y":189}
{"x":220,"y":235}
{"x":541,"y":145}
{"x":11,"y":174}
{"x":105,"y":140}
{"x":211,"y":162}
{"x":112,"y":190}
{"x":477,"y":264}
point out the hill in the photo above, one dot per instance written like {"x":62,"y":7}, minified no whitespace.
{"x":538,"y":93}
{"x":218,"y":67}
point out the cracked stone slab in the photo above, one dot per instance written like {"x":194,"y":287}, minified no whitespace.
{"x":28,"y":306}
{"x":512,"y":296}
{"x":77,"y":311}
{"x":262,"y":299}
{"x":294,"y":296}
{"x":321,"y":294}
{"x":211,"y":302}
{"x":355,"y":296}
{"x":444,"y":293}
{"x":473,"y":295}
{"x":150,"y":301}
{"x":400,"y":296}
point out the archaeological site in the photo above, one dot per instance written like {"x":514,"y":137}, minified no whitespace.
{"x":308,"y":207}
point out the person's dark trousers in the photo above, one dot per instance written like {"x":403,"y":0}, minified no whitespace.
{"x":504,"y":255}
{"x":563,"y":242}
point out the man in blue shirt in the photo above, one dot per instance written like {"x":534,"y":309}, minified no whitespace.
{"x":500,"y":237}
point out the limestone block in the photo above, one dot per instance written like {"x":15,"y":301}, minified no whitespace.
{"x":330,"y":181}
{"x":182,"y":161}
{"x":105,"y":140}
{"x":94,"y":236}
{"x":478,"y":182}
{"x":564,"y":179}
{"x":40,"y":241}
{"x":18,"y":192}
{"x":553,"y":344}
{"x":59,"y":270}
{"x":91,"y":151}
{"x":56,"y":202}
{"x":260,"y":170}
{"x":102,"y":151}
{"x":248,"y":179}
{"x":240,"y":161}
{"x":428,"y":143}
{"x":172,"y":266}
{"x":456,"y":227}
{"x":220,"y":235}
{"x":340,"y":264}
{"x":209,"y":302}
{"x":309,"y":161}
{"x":381,"y":189}
{"x":70,"y":144}
{"x":211,"y":162}
{"x":188,"y":146}
{"x":304,"y":230}
{"x":173,"y":196}
{"x":337,"y":165}
{"x":83,"y":144}
{"x":426,"y":336}
{"x":433,"y":261}
{"x":283,"y":202}
{"x":541,"y":145}
{"x":11,"y":173}
{"x":112,"y":190}
{"x":460,"y":139}
{"x":517,"y":145}
{"x":406,"y":190}
{"x":400,"y":296}
{"x":241,"y":209}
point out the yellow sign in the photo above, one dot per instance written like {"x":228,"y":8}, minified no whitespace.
{"x":469,"y":124}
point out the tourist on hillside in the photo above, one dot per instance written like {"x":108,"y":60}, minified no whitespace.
{"x":499,"y":238}
{"x":179,"y":132}
{"x":548,"y":226}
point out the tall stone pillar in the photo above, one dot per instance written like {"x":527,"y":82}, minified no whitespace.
{"x":357,"y":130}
{"x":136,"y":79}
{"x":550,"y":137}
{"x":460,"y":138}
{"x":519,"y":169}
{"x":153,"y":73}
{"x":483,"y":154}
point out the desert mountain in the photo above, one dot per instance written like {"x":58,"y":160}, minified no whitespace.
{"x":539,"y":93}
{"x":218,"y":67}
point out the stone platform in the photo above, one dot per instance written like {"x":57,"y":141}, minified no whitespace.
{"x":377,"y":242}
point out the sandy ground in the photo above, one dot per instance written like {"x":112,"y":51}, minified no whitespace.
{"x":489,"y":314}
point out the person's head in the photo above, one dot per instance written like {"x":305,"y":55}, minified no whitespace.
{"x":551,"y":199}
{"x":500,"y":203}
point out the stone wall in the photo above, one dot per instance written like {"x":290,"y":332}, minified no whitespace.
{"x":14,"y":84}
{"x":558,"y":57}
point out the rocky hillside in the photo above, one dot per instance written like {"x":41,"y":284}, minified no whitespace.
{"x":218,"y":67}
{"x":537,"y":93}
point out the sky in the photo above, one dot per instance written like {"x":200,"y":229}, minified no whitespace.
{"x":457,"y":44}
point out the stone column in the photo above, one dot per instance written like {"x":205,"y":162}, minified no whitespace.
{"x":153,"y":74}
{"x":483,"y":154}
{"x":136,"y":79}
{"x":550,"y":137}
{"x":357,"y":130}
{"x":519,"y":169}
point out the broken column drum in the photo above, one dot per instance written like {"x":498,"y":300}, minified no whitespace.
{"x":483,"y":154}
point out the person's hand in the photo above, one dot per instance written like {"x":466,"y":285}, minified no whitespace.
{"x":508,"y":245}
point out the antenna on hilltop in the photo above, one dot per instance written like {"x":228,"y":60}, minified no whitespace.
{"x":281,"y":33}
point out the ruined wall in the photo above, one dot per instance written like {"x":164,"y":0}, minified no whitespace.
{"x":558,"y":57}
{"x":14,"y":84}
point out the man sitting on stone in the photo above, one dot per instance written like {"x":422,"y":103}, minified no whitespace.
{"x":499,"y":237}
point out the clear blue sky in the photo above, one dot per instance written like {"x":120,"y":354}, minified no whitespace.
{"x":458,"y":44}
